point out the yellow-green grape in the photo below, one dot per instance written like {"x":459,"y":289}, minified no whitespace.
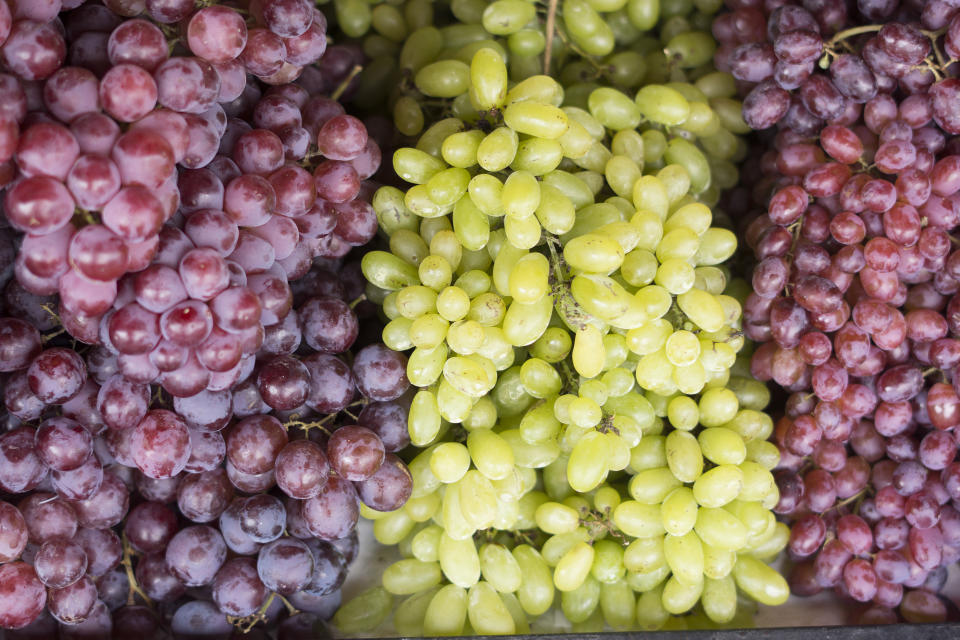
{"x":444,"y":243}
{"x":678,"y":244}
{"x":488,"y":79}
{"x":428,"y":331}
{"x":717,"y":407}
{"x":416,"y":166}
{"x":529,"y":278}
{"x":662,"y":105}
{"x":719,"y":599}
{"x":622,"y":173}
{"x":650,"y":194}
{"x":459,"y":560}
{"x":446,"y":187}
{"x":576,"y":141}
{"x":396,"y":334}
{"x":424,"y":418}
{"x":486,"y":611}
{"x":423,"y":508}
{"x":431,"y":140}
{"x":573,"y":567}
{"x":424,"y":366}
{"x":644,"y":554}
{"x":722,"y":446}
{"x":418,"y":200}
{"x":540,"y":379}
{"x":589,"y":462}
{"x":651,"y":614}
{"x":409,"y":246}
{"x":504,"y":17}
{"x":478,"y":499}
{"x":473,"y":283}
{"x":467,"y":376}
{"x":652,"y":486}
{"x":758,"y":483}
{"x":643,"y":14}
{"x":578,"y":604}
{"x":364,"y":612}
{"x":718,"y":486}
{"x":625,"y":69}
{"x":496,"y":348}
{"x":425,"y":543}
{"x":520,"y":196}
{"x":679,"y":511}
{"x":460,"y":149}
{"x":691,"y":49}
{"x":523,"y":323}
{"x":607,"y":561}
{"x":553,"y":346}
{"x":770,"y":546}
{"x":588,"y":352}
{"x":393,"y":527}
{"x":676,"y":180}
{"x":720,"y":529}
{"x":638,"y":520}
{"x":539,"y":423}
{"x":449,"y":461}
{"x":522,"y":233}
{"x":487,"y":309}
{"x":717,"y":562}
{"x":447,"y":612}
{"x":430,"y":227}
{"x":764,"y":453}
{"x":593,"y":253}
{"x":683,"y":413}
{"x":490,"y":453}
{"x":443,"y":79}
{"x":453,"y":303}
{"x":702,"y":308}
{"x":539,"y":89}
{"x":409,"y":614}
{"x":387,"y":271}
{"x":613,"y":109}
{"x":760,"y":582}
{"x":392,"y":214}
{"x":679,"y":597}
{"x":556,"y":212}
{"x":496,"y":151}
{"x":571,"y":186}
{"x":538,"y":156}
{"x":683,"y":456}
{"x":483,"y":415}
{"x":617,"y":601}
{"x":555,"y":518}
{"x":617,"y":380}
{"x":682,"y":348}
{"x":751,"y":425}
{"x":643,"y":582}
{"x":389,"y":22}
{"x":406,"y":577}
{"x":435,"y":272}
{"x":688,"y":156}
{"x":353,"y":17}
{"x":649,"y":337}
{"x":499,"y":568}
{"x":676,"y":276}
{"x":465,"y":337}
{"x":587,"y":28}
{"x":535,"y":119}
{"x":536,"y":591}
{"x":408,"y":116}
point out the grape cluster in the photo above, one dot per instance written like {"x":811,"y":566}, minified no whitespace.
{"x":854,"y":289}
{"x":584,"y":422}
{"x":187,"y":436}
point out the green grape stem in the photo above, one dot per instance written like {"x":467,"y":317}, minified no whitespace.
{"x":551,"y":26}
{"x":339,"y":91}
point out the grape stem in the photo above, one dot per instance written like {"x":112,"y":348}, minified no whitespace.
{"x":246,"y":623}
{"x":551,"y":26}
{"x":346,"y":82}
{"x":134,"y":587}
{"x":294,"y":423}
{"x":362,"y":297}
{"x":855,"y":31}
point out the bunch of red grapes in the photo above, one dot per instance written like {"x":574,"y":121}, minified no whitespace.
{"x":187,"y":437}
{"x":855,"y":288}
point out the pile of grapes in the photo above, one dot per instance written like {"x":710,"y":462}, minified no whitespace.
{"x":587,"y":435}
{"x":850,"y":214}
{"x":187,"y":434}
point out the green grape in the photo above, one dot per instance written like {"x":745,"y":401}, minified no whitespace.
{"x":510,"y":601}
{"x":396,"y":334}
{"x":490,"y":453}
{"x":393,"y":527}
{"x":478,"y":499}
{"x":760,"y":582}
{"x":651,"y":614}
{"x":408,"y":618}
{"x":523,"y":323}
{"x":431,"y":141}
{"x":447,"y":612}
{"x":555,"y":518}
{"x":538,"y":156}
{"x":423,"y":508}
{"x":662,"y":105}
{"x":587,"y":28}
{"x":679,"y":597}
{"x":614,"y":110}
{"x":488,"y":79}
{"x":536,"y":590}
{"x":652,"y":485}
{"x":449,"y":461}
{"x":722,"y":446}
{"x":499,"y":568}
{"x":684,"y":457}
{"x":428,"y":331}
{"x":580,"y":603}
{"x":638,"y":520}
{"x":718,"y":486}
{"x":416,"y":166}
{"x":679,"y":512}
{"x":644,"y":555}
{"x":764,"y":453}
{"x":618,"y":602}
{"x":720,"y":529}
{"x":540,"y":379}
{"x":719,"y":599}
{"x":459,"y":560}
{"x":717,"y":562}
{"x":573,"y":567}
{"x":643,"y":582}
{"x":406,"y":577}
{"x":495,"y":153}
{"x":608,"y":565}
{"x":643,"y":14}
{"x":487,"y":613}
{"x":424,"y":418}
{"x":364,"y":612}
{"x":504,"y":17}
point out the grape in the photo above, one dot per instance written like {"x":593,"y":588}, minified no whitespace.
{"x":301,"y":469}
{"x":149,"y":527}
{"x":60,"y":563}
{"x":160,"y":444}
{"x":389,"y":486}
{"x":334,"y":512}
{"x":24,"y":595}
{"x":355,"y":453}
{"x":285,"y":565}
{"x":236,"y":589}
{"x":195,"y":554}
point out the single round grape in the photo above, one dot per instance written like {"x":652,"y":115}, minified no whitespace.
{"x":285,"y":565}
{"x":389,"y":488}
{"x":23,"y":595}
{"x":355,"y":452}
{"x":301,"y":469}
{"x":149,"y":527}
{"x":332,"y":514}
{"x":195,"y":554}
{"x":63,"y":444}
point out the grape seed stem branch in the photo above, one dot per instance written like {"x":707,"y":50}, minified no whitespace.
{"x":551,"y":26}
{"x":346,"y":82}
{"x":247,"y":623}
{"x":306,"y":426}
{"x":134,"y":588}
{"x":850,"y":33}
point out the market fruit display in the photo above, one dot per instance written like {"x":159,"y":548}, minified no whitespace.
{"x":194,"y":402}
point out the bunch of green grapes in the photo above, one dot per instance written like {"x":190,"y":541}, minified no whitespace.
{"x":592,"y":43}
{"x":558,"y":277}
